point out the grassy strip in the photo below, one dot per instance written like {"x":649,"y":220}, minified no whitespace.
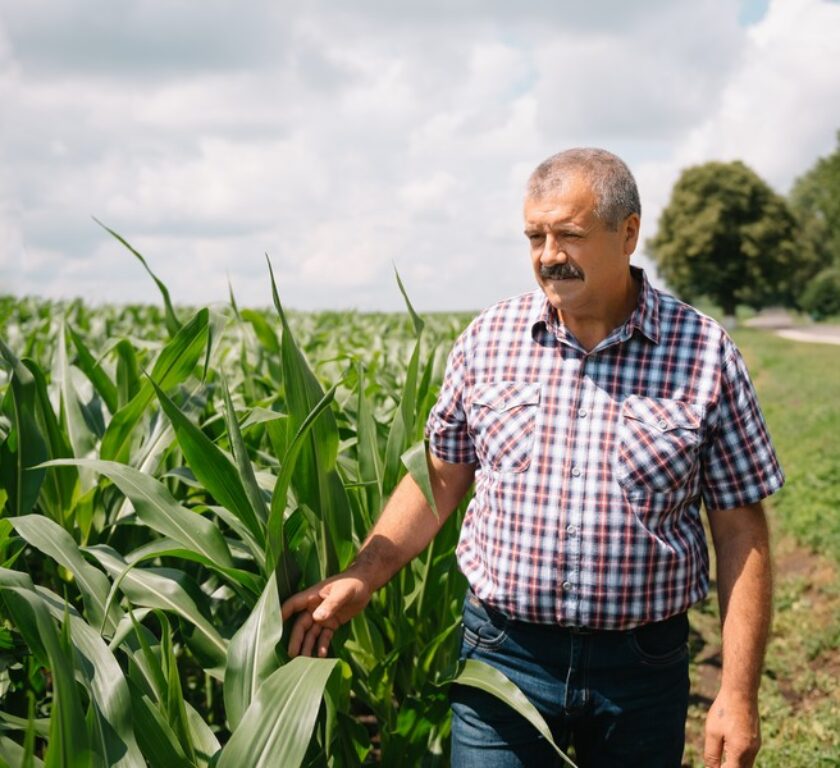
{"x":799,"y":389}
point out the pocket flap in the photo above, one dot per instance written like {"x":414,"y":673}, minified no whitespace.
{"x":663,"y":414}
{"x":504,"y":395}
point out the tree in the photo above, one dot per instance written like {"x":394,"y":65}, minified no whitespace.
{"x":815,"y":201}
{"x":727,"y":235}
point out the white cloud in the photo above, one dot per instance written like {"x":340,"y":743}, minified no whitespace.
{"x":340,"y":138}
{"x":777,"y":111}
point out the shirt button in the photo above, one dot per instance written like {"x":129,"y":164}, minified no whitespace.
{"x":663,"y":425}
{"x":571,"y":529}
{"x":576,"y":471}
{"x":582,"y":412}
{"x":567,"y":586}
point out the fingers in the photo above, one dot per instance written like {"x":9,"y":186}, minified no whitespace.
{"x":322,"y":608}
{"x":302,"y":601}
{"x":299,"y":631}
{"x":316,"y":623}
{"x":713,"y":750}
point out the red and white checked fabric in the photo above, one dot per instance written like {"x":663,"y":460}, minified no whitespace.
{"x":592,"y":465}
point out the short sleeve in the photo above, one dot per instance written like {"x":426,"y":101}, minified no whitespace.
{"x":446,"y":427}
{"x":740,"y":466}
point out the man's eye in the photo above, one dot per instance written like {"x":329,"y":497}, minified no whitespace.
{"x":536,"y":239}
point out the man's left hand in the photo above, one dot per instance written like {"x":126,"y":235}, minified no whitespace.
{"x":732,"y":731}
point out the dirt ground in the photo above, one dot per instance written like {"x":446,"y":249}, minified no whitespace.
{"x":800,"y":691}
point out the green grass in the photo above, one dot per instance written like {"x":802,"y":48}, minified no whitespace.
{"x":799,"y":391}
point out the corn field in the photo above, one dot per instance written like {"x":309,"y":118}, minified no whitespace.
{"x":167,"y":478}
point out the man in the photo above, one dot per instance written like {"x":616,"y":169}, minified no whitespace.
{"x":594,"y":415}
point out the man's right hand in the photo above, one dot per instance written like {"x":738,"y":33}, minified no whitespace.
{"x":323,"y":608}
{"x":404,"y":529}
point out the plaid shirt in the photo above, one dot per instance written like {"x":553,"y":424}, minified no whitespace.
{"x":592,"y":465}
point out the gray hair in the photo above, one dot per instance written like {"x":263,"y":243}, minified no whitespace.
{"x":612,"y":183}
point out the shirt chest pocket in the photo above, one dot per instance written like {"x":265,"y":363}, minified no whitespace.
{"x":659,"y":443}
{"x":502,"y":421}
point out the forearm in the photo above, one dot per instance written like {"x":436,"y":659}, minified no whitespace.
{"x":744,"y":579}
{"x":408,"y":523}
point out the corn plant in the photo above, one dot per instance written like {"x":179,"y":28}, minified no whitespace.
{"x":166,"y":480}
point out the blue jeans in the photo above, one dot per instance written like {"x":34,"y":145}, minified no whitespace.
{"x":620,"y":697}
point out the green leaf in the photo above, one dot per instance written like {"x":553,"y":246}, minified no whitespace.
{"x":275,"y":536}
{"x":247,"y":584}
{"x":163,"y":588}
{"x":82,"y":438}
{"x":416,"y":320}
{"x":59,"y":488}
{"x":157,"y":509}
{"x":172,"y":323}
{"x":15,"y":755}
{"x":175,"y":362}
{"x":370,"y":464}
{"x":102,"y":383}
{"x":24,"y":447}
{"x":240,"y":455}
{"x":106,"y":684}
{"x":158,"y":741}
{"x":416,"y":463}
{"x":68,"y":745}
{"x":277,"y":727}
{"x":174,"y":706}
{"x":51,"y":539}
{"x":265,"y":333}
{"x":315,"y":478}
{"x":480,"y":675}
{"x":251,"y":657}
{"x":128,"y":373}
{"x":212,"y":467}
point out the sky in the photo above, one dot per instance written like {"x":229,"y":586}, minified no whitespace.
{"x":344,"y":139}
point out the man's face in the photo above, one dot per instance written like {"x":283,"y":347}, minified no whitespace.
{"x":580,"y":264}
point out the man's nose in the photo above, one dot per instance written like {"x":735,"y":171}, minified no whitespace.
{"x":552,"y":252}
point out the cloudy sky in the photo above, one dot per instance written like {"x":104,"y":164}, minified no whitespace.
{"x":344,"y":137}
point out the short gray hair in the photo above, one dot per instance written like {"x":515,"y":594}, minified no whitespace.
{"x":612,"y":183}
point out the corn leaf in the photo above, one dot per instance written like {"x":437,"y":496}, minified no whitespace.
{"x":14,"y":755}
{"x":106,"y":683}
{"x":164,"y":588}
{"x":480,"y":675}
{"x":251,"y":656}
{"x":212,"y":467}
{"x":415,"y":461}
{"x":156,"y":507}
{"x":68,"y":742}
{"x":243,"y":463}
{"x":51,"y":539}
{"x":175,"y":362}
{"x":97,"y":376}
{"x":58,"y":490}
{"x":277,"y":727}
{"x":24,"y":447}
{"x":315,"y":479}
{"x":172,"y":322}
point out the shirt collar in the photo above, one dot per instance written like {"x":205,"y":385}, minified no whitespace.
{"x":644,"y":318}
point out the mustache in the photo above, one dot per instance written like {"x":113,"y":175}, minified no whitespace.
{"x":560,"y":271}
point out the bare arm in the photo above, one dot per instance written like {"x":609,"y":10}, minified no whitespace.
{"x":404,"y":529}
{"x":744,"y":580}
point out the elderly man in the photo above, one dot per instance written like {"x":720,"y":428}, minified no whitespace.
{"x":594,"y":415}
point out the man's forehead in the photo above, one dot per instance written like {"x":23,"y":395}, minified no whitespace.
{"x":571,"y":203}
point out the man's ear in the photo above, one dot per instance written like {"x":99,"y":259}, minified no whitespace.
{"x":631,"y":233}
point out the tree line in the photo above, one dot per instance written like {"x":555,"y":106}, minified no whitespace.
{"x":728,"y":236}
